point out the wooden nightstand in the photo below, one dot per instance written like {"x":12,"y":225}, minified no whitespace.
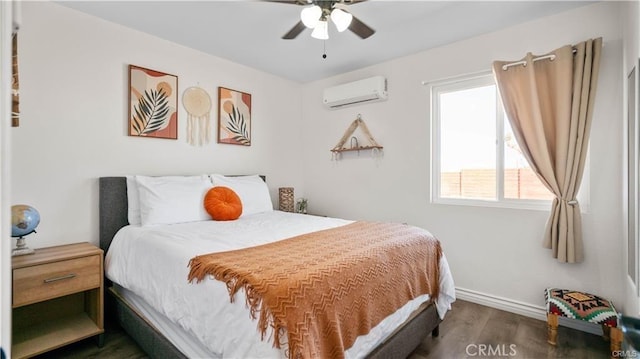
{"x":57,"y":298}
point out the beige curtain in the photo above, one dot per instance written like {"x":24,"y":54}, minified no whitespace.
{"x":549,"y":103}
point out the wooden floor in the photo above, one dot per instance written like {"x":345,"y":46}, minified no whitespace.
{"x":469,"y":326}
{"x":465,"y":331}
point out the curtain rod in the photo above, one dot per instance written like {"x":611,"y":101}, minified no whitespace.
{"x":551,"y":57}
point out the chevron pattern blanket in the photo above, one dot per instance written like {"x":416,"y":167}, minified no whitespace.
{"x":325,"y":288}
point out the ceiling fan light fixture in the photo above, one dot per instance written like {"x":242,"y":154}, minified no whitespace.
{"x":321,"y":31}
{"x":310,"y":16}
{"x":341,"y":19}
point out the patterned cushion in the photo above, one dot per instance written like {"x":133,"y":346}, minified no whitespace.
{"x":579,"y":305}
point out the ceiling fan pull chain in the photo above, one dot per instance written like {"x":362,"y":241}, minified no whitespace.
{"x":324,"y":49}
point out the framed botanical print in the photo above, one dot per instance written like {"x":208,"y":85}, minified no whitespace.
{"x":234,"y":117}
{"x":153,"y":103}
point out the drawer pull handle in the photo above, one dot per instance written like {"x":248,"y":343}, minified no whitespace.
{"x":55,"y":279}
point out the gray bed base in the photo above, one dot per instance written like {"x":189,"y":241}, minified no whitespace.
{"x":113,"y":216}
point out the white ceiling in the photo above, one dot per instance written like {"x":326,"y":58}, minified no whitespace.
{"x":249,"y":32}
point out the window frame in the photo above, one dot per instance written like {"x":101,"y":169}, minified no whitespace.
{"x":470,"y":81}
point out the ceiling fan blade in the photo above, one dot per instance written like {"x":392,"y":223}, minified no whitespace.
{"x":360,"y":28}
{"x":291,"y":2}
{"x":295,"y":31}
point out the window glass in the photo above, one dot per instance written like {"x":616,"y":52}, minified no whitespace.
{"x":475,"y":156}
{"x":467,"y":145}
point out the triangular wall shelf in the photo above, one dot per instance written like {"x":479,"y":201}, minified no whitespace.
{"x":358,"y":122}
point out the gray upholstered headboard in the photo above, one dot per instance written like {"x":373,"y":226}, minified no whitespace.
{"x":114,"y":207}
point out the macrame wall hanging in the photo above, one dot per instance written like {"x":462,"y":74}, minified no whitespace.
{"x":197,"y":102}
{"x":15,"y":84}
{"x":376,"y":149}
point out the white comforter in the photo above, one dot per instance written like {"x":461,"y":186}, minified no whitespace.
{"x":153,"y":261}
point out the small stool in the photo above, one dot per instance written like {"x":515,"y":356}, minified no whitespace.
{"x":583,"y":306}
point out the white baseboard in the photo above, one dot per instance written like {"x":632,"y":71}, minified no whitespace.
{"x":525,"y":309}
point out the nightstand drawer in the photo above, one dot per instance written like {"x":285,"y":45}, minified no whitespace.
{"x":50,"y":280}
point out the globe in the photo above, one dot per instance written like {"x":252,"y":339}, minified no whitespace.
{"x":24,"y":220}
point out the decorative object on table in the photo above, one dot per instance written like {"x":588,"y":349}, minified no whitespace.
{"x":301,"y":205}
{"x":24,"y":220}
{"x":285,"y":199}
{"x":197,"y":103}
{"x":15,"y":84}
{"x":354,"y":146}
{"x":582,"y":306}
{"x":234,"y":117}
{"x":153,"y":103}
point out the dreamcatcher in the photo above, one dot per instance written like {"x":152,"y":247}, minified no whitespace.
{"x":198,"y":105}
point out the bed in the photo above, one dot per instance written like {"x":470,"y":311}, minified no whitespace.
{"x":164,"y":334}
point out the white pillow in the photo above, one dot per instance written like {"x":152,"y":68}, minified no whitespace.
{"x":252,"y":190}
{"x":172,"y":199}
{"x":133,"y":198}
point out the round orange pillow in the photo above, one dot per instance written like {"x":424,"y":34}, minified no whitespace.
{"x":222,"y":204}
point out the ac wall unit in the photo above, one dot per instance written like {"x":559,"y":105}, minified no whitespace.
{"x":366,"y":90}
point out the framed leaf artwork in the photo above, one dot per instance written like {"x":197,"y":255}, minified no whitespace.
{"x":234,"y":117}
{"x":153,"y":103}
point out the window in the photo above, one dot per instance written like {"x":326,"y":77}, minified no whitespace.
{"x":475,"y":158}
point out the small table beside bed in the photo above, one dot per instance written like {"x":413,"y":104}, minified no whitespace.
{"x":178,"y":297}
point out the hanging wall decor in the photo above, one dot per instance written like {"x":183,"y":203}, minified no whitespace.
{"x":15,"y":85}
{"x":375,"y":148}
{"x":234,"y":117}
{"x":153,"y":103}
{"x":197,"y":103}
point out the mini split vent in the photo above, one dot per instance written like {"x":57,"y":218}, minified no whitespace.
{"x":366,"y":90}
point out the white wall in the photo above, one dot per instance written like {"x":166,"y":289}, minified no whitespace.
{"x":631,"y":53}
{"x":497,"y":252}
{"x":74,"y":98}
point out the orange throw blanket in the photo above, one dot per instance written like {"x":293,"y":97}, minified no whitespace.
{"x":328,"y":287}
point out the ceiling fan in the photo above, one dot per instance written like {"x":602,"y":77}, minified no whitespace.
{"x":317,"y":15}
